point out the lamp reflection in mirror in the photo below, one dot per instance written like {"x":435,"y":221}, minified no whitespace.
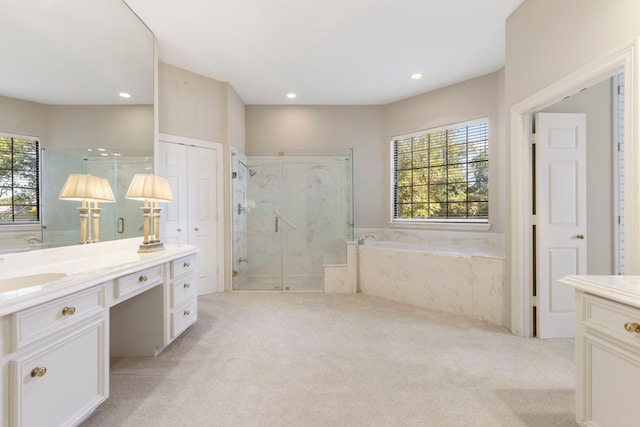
{"x":89,"y":190}
{"x":151,"y":189}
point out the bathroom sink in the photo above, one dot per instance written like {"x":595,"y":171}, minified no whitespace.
{"x":28,"y":281}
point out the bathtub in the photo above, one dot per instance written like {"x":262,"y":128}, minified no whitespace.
{"x":464,"y":281}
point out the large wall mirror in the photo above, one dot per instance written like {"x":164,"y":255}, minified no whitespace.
{"x":64,"y":65}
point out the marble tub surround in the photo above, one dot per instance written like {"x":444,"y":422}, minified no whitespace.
{"x":82,"y":265}
{"x":463,"y":280}
{"x":483,"y":243}
{"x":342,"y":278}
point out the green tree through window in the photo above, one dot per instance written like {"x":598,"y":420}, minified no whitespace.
{"x":19,"y":179}
{"x":442,"y":174}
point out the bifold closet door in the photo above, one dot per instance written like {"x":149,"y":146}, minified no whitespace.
{"x":191,"y":218}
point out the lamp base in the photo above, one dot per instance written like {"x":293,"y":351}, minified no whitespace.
{"x":151,"y":247}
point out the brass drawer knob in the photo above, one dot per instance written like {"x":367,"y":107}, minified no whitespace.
{"x":143,"y":279}
{"x":187,"y":312}
{"x":632,"y":327}
{"x":68,"y":311}
{"x":38,"y":372}
{"x":185,"y":265}
{"x":186,"y":286}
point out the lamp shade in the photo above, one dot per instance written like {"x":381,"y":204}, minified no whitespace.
{"x":86,"y":187}
{"x":149,"y":187}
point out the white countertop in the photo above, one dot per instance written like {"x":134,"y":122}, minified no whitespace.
{"x":624,"y":289}
{"x":83,"y":266}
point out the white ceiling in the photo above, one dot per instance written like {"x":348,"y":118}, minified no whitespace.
{"x":330,"y":52}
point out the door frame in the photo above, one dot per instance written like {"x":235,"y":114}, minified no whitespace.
{"x":521,"y":251}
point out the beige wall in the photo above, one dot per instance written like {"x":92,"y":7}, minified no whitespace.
{"x":368,"y":130}
{"x":199,"y":107}
{"x":596,"y":103}
{"x":235,"y":120}
{"x":127,"y":127}
{"x":24,"y":118}
{"x":191,"y":105}
{"x":549,"y":39}
{"x":308,"y":127}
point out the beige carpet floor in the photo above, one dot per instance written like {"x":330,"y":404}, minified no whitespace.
{"x":313,"y":359}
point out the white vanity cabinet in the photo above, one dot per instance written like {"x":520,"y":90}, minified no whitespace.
{"x":607,"y":350}
{"x":184,"y":294}
{"x":58,"y":384}
{"x":58,"y":370}
{"x":56,"y":341}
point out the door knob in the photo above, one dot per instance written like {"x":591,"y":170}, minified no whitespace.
{"x":179,"y":230}
{"x":196,"y":229}
{"x":580,"y":236}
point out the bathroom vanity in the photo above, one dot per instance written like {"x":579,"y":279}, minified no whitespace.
{"x":607,"y":349}
{"x":64,"y":312}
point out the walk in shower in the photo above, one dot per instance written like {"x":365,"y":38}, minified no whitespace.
{"x":292,"y":213}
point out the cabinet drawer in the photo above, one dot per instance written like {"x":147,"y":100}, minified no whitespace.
{"x":183,"y":316}
{"x":135,"y":282}
{"x":183,"y":289}
{"x":37,"y":322}
{"x":183,"y":265}
{"x":60,"y":384}
{"x":611,"y":317}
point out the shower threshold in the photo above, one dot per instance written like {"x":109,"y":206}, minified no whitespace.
{"x":289,"y":284}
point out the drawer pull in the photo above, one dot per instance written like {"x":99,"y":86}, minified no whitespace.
{"x":187,"y":312}
{"x":143,"y":279}
{"x":185,"y":265}
{"x":186,"y":286}
{"x":68,"y":311}
{"x":38,"y":372}
{"x":632,"y":327}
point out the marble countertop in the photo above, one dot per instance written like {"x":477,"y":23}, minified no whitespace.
{"x":623,"y":289}
{"x":74,"y":268}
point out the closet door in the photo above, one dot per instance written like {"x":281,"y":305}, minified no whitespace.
{"x":173,"y":165}
{"x":201,"y":215}
{"x":192,"y":216}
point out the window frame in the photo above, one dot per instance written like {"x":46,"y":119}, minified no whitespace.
{"x":438,"y":223}
{"x":13,"y":224}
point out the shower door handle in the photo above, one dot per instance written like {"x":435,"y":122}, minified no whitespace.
{"x":276,"y":224}
{"x":120,"y":225}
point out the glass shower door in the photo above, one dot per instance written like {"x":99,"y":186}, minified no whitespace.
{"x":263,"y":243}
{"x":302,"y":215}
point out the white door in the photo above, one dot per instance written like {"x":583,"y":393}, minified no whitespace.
{"x":192,"y":216}
{"x":202,"y":218}
{"x":173,"y":163}
{"x":561,"y":214}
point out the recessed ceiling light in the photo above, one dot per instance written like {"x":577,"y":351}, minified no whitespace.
{"x":291,"y":95}
{"x":101,"y":149}
{"x":416,"y":76}
{"x":125,"y":95}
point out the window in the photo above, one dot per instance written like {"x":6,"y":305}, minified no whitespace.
{"x":442,"y":175}
{"x":19,"y":179}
